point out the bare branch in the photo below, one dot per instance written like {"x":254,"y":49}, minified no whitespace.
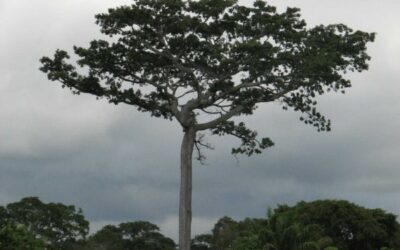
{"x":222,"y":118}
{"x":198,"y":144}
{"x":186,"y":93}
{"x":212,"y":112}
{"x":200,"y":156}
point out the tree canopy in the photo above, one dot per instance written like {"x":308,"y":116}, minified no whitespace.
{"x":317,"y":225}
{"x":186,"y":59}
{"x":30,"y":224}
{"x":350,"y":226}
{"x":15,"y":236}
{"x":56,"y":224}
{"x":139,"y":235}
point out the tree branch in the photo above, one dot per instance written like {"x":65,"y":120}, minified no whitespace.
{"x":222,"y":118}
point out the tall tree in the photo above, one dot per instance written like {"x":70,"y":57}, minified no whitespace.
{"x":204,"y":62}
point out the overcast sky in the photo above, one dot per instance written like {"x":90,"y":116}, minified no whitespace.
{"x":121,"y":165}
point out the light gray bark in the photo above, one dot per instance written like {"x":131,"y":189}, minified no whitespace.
{"x":185,"y":198}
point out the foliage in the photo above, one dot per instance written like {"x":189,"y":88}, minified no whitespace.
{"x":33,"y":225}
{"x":224,"y":233}
{"x":213,"y":60}
{"x":286,"y":233}
{"x":202,"y":242}
{"x":230,"y":234}
{"x":137,"y":235}
{"x":318,"y":225}
{"x":253,"y":235}
{"x":17,"y":237}
{"x":57,"y":224}
{"x":348,"y":225}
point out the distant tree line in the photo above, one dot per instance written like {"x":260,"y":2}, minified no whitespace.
{"x":30,"y":224}
{"x":318,"y":225}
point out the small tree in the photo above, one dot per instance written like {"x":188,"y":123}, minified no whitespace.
{"x":204,"y":62}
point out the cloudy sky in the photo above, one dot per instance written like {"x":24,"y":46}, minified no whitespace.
{"x":121,"y":165}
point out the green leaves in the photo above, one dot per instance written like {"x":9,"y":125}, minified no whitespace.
{"x":139,"y":235}
{"x":33,"y":225}
{"x":348,"y":225}
{"x":17,"y":237}
{"x":210,"y":8}
{"x":250,"y":144}
{"x":317,"y":225}
{"x":53,"y":223}
{"x":183,"y":59}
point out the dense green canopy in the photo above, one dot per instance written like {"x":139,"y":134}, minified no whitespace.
{"x":350,"y":226}
{"x":318,"y":225}
{"x":139,"y":235}
{"x":15,"y":236}
{"x":56,"y":224}
{"x":31,"y":224}
{"x":180,"y":59}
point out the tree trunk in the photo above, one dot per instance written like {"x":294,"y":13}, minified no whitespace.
{"x":185,"y":198}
